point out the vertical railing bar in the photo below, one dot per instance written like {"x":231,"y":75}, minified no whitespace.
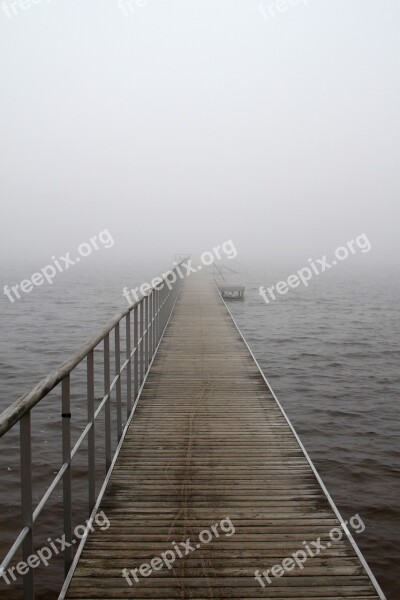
{"x":150,"y":326}
{"x":91,"y":434}
{"x":66,"y":457}
{"x":118,"y":386}
{"x":168,"y":304}
{"x":136,"y":355}
{"x":146,"y":338}
{"x":163,"y":310}
{"x":157,"y":316}
{"x":149,"y":346}
{"x":154,"y":321}
{"x":128,"y":367}
{"x":141,"y":341}
{"x":26,"y":500}
{"x":148,"y":331}
{"x":154,"y":330}
{"x":107,"y":407}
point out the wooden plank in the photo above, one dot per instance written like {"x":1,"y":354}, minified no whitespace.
{"x":209,"y":443}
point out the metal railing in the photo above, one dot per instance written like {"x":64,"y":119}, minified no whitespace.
{"x":145,"y":323}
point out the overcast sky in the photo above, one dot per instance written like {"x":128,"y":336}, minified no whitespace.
{"x":178,"y":125}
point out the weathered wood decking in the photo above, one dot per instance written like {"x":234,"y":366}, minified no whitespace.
{"x":209,"y":441}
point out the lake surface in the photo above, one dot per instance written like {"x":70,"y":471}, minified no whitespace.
{"x":330,"y":352}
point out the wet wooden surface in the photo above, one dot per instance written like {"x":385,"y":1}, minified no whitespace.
{"x":209,"y":443}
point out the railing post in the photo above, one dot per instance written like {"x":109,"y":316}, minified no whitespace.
{"x":150,"y":326}
{"x":168,"y":306}
{"x":146,"y":340}
{"x":66,"y":457}
{"x":136,"y":355}
{"x":91,"y":434}
{"x":154,"y":330}
{"x":107,"y":407}
{"x":118,"y":384}
{"x":128,"y":366}
{"x":26,"y":500}
{"x":157,"y":327}
{"x":141,"y":341}
{"x":162,"y":313}
{"x":155,"y":320}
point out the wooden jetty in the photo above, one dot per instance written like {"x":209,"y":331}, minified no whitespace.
{"x":209,"y":441}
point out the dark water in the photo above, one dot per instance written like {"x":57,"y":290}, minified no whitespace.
{"x":331,"y":354}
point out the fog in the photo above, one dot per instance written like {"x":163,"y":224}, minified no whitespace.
{"x":177,"y":125}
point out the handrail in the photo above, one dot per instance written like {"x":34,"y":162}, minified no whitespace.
{"x":11,"y":415}
{"x":144,"y":331}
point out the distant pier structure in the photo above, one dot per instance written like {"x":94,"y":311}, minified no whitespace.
{"x":231,"y":291}
{"x":228,"y":291}
{"x":218,"y":273}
